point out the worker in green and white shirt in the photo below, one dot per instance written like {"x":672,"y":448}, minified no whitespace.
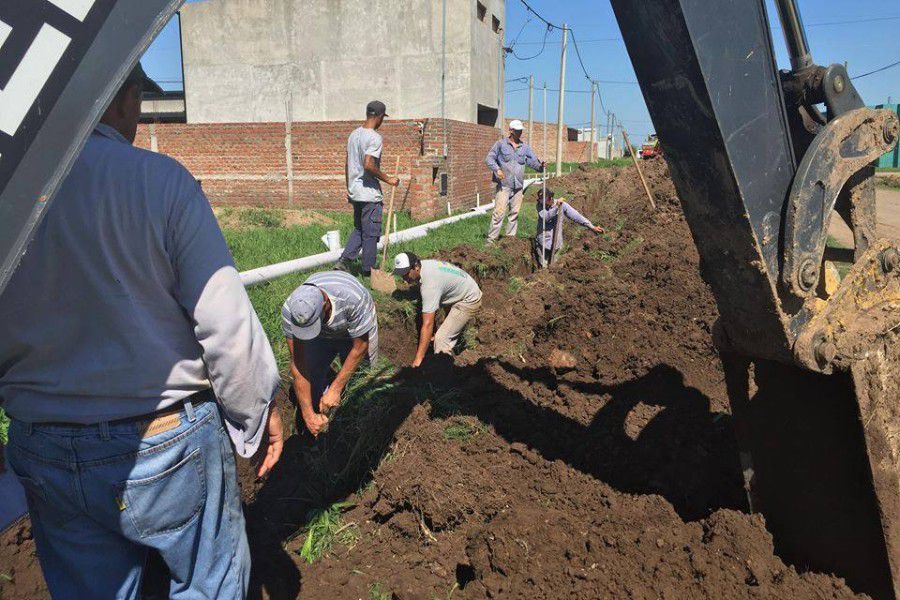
{"x":442,"y":285}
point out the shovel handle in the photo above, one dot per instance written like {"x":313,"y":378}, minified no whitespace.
{"x":387,"y":222}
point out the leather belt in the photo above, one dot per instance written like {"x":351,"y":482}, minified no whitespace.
{"x":147,"y":421}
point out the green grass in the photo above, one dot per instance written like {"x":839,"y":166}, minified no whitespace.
{"x":263,"y":241}
{"x":515,"y":284}
{"x":4,"y":428}
{"x":377,"y":593}
{"x":461,"y":431}
{"x":325,"y":528}
{"x":890,"y":182}
{"x":602,"y":163}
{"x":887,"y":170}
{"x":262,"y":246}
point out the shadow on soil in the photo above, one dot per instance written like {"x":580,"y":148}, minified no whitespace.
{"x":678,"y":449}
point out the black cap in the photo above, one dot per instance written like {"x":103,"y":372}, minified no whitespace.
{"x":376,"y":108}
{"x":138,"y":76}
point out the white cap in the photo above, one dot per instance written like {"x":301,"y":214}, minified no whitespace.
{"x":517,"y":125}
{"x":402,"y":264}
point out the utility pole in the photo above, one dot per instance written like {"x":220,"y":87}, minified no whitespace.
{"x":501,"y":57}
{"x":444,"y":74}
{"x":591,"y":153}
{"x":607,"y":138}
{"x":530,"y":108}
{"x":562,"y":98}
{"x":544,"y":155}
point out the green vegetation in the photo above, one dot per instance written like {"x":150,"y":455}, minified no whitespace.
{"x":4,"y":428}
{"x":257,"y":246}
{"x":460,"y":430}
{"x":326,"y":527}
{"x":515,"y":284}
{"x":602,"y":163}
{"x":889,"y":182}
{"x":376,"y":593}
{"x":887,"y":170}
{"x":259,"y":237}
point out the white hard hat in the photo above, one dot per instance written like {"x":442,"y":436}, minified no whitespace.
{"x":516,"y":124}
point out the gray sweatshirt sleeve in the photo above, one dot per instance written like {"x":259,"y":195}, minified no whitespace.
{"x":576,"y":216}
{"x":238,"y":357}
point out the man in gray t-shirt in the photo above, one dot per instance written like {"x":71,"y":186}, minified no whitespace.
{"x":363,"y":172}
{"x":330,"y":315}
{"x":442,"y":285}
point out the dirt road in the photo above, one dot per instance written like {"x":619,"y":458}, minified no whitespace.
{"x":889,"y":212}
{"x":888,"y":203}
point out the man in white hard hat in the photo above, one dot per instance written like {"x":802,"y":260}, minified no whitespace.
{"x":441,"y":285}
{"x":507,"y":160}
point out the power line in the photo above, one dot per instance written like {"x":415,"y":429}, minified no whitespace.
{"x":879,"y":70}
{"x":512,"y":48}
{"x":618,"y":39}
{"x":536,"y":14}
{"x":822,"y":24}
{"x":578,"y":54}
{"x":852,"y":21}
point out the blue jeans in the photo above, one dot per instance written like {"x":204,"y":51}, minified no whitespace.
{"x":102,"y":496}
{"x":367,"y":220}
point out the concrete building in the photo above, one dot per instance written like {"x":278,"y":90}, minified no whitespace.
{"x":249,"y":61}
{"x":167,"y":107}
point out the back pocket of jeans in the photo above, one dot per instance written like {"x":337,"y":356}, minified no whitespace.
{"x":169,"y":501}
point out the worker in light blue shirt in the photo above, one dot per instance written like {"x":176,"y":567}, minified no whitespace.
{"x":507,"y":160}
{"x":128,"y":348}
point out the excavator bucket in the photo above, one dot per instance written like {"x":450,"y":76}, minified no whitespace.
{"x":812,"y":371}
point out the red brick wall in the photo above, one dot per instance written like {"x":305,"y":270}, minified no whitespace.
{"x":246,"y":163}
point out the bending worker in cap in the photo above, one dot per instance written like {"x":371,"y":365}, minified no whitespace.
{"x":549,"y":209}
{"x":507,"y":160}
{"x":129,"y":352}
{"x":441,"y":285}
{"x":331,"y":315}
{"x":364,"y":177}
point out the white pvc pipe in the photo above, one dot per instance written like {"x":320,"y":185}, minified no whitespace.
{"x":267,"y":273}
{"x":307,"y":263}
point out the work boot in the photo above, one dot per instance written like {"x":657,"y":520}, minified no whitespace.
{"x":341,"y":266}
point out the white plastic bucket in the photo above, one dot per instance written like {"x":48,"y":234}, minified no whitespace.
{"x":332,"y":239}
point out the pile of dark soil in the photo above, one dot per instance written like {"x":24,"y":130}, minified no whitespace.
{"x":581,"y":446}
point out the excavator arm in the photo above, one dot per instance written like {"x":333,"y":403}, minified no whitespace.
{"x":763,"y":160}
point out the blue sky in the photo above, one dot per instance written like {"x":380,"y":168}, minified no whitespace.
{"x":864,"y":45}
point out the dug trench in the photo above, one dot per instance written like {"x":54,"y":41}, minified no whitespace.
{"x":580,"y":446}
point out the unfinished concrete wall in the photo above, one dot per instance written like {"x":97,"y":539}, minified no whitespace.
{"x":322,"y":60}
